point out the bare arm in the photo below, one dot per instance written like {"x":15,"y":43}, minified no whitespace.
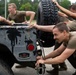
{"x":62,"y":14}
{"x":65,"y":10}
{"x":56,"y":52}
{"x":31,"y":14}
{"x":2,"y":19}
{"x":59,"y":59}
{"x":43,"y":28}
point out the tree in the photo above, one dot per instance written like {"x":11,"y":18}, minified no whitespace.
{"x":16,"y":2}
{"x":21,"y":5}
{"x":26,"y":6}
{"x":65,"y":3}
{"x":2,"y":7}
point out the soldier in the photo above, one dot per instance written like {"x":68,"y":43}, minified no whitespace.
{"x":4,"y":21}
{"x":19,"y":16}
{"x":66,"y":49}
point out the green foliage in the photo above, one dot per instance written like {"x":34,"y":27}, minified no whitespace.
{"x":27,"y":6}
{"x":16,"y":2}
{"x":2,"y":11}
{"x":65,"y":3}
{"x":21,"y":5}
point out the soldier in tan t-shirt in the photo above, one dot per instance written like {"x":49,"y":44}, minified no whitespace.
{"x":72,"y":25}
{"x":48,"y":28}
{"x":4,"y":21}
{"x":67,"y":48}
{"x":72,"y":41}
{"x":19,"y":16}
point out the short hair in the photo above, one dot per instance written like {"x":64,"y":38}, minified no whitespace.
{"x":13,"y":5}
{"x":73,"y":6}
{"x":61,"y":27}
{"x":63,"y":19}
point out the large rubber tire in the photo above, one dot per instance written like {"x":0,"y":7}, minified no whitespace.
{"x":7,"y":56}
{"x":47,"y":14}
{"x":4,"y":69}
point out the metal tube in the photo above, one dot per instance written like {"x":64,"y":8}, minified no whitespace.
{"x":5,"y":8}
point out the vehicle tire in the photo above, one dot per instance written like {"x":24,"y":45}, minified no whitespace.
{"x":47,"y":15}
{"x":4,"y":69}
{"x":5,"y":57}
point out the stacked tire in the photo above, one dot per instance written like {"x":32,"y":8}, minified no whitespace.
{"x":47,"y":14}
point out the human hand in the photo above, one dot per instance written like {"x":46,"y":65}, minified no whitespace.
{"x":24,"y":22}
{"x":39,"y":57}
{"x":33,"y":25}
{"x":2,"y":18}
{"x":40,"y":61}
{"x":55,"y":2}
{"x":12,"y":22}
{"x":28,"y":22}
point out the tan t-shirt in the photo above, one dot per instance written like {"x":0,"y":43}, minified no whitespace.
{"x":71,"y":43}
{"x":19,"y":17}
{"x":72,"y":25}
